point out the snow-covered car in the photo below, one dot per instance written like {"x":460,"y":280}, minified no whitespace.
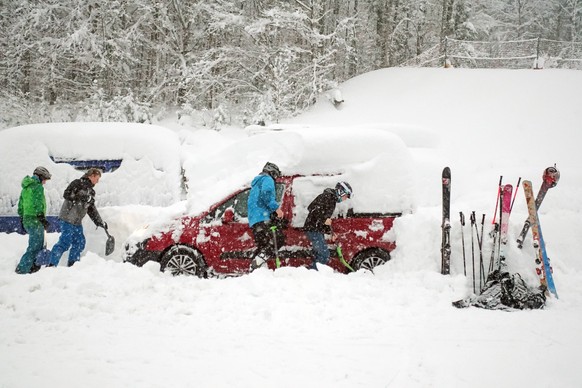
{"x":141,"y":164}
{"x":219,"y":241}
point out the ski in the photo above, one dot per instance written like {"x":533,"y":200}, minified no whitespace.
{"x":446,"y":223}
{"x":504,"y":223}
{"x":550,"y":179}
{"x":543,"y":268}
{"x":494,"y":234}
{"x":546,"y":260}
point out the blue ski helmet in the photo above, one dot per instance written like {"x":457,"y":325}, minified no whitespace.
{"x":343,"y":188}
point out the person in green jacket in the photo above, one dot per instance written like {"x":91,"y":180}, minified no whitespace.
{"x":32,"y":212}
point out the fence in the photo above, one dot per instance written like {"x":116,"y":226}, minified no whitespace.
{"x":517,"y":54}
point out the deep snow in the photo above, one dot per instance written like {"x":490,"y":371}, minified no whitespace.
{"x":105,"y":323}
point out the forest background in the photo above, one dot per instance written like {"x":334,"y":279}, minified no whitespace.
{"x":220,"y":62}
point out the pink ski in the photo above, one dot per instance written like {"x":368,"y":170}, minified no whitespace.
{"x":505,"y":199}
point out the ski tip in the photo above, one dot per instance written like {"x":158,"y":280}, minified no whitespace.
{"x":446,"y":177}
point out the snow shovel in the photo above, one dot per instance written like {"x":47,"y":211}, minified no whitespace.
{"x":110,"y":244}
{"x":342,"y":260}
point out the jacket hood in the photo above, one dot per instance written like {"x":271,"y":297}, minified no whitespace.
{"x":259,"y":177}
{"x":86,"y":178}
{"x":330,"y":191}
{"x":28,"y":181}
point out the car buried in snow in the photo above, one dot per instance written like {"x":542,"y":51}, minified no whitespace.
{"x":218,"y":242}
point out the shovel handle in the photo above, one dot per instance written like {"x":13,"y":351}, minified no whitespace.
{"x":106,"y":231}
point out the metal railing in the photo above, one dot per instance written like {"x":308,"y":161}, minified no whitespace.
{"x":516,"y":54}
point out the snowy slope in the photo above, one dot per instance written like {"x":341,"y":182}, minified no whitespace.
{"x":104,"y":323}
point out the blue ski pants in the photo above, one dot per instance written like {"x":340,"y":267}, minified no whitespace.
{"x":35,"y":245}
{"x":71,"y":237}
{"x":319,"y":248}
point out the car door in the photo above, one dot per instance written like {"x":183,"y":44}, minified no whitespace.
{"x":228,"y":236}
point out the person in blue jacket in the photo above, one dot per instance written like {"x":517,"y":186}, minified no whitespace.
{"x":32,"y":212}
{"x":261,"y":204}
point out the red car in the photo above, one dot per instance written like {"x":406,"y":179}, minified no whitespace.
{"x":219,"y":241}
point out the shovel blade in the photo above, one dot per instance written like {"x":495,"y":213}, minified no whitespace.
{"x":110,"y":245}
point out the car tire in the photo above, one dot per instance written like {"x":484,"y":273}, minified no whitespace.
{"x":370,"y":259}
{"x":183,"y":260}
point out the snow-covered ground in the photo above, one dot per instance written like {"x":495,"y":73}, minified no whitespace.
{"x":106,"y":323}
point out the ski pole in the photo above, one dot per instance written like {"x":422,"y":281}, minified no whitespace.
{"x":473,"y":249}
{"x":515,"y":194}
{"x":474,"y":225}
{"x":463,"y":242}
{"x":277,"y":260}
{"x":497,"y":201}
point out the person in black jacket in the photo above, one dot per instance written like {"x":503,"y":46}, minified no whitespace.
{"x":318,"y":222}
{"x":79,"y":201}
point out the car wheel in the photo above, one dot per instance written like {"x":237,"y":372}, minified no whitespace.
{"x":370,"y":259}
{"x":183,"y":260}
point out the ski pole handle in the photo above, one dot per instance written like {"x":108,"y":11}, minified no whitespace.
{"x":462,"y":218}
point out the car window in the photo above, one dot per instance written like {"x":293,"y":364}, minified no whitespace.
{"x":279,"y":190}
{"x":305,"y":189}
{"x":240,"y":204}
{"x":219,"y":211}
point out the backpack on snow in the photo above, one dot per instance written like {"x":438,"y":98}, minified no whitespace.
{"x":505,"y":292}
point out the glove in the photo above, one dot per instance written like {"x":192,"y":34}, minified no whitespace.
{"x":43,"y":221}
